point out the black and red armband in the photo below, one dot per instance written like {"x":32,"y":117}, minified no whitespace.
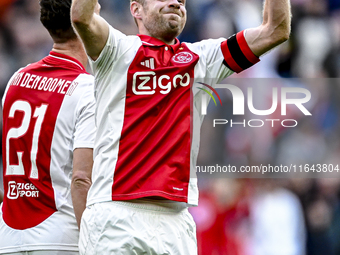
{"x":237,"y":54}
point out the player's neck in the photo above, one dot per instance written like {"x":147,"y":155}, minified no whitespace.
{"x":144,"y":31}
{"x":168,"y":42}
{"x":72,"y":49}
{"x":171,"y":42}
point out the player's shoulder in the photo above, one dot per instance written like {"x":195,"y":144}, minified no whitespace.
{"x":115,"y":34}
{"x":28,"y":67}
{"x":85,"y":79}
{"x":206,"y":44}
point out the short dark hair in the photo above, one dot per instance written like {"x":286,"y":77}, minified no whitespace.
{"x":55,"y":16}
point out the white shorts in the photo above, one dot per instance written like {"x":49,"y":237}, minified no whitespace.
{"x":137,"y":227}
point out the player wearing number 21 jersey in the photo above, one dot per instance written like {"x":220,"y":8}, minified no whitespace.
{"x":48,"y":136}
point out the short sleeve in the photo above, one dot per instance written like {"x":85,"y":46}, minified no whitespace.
{"x":108,"y":55}
{"x":85,"y":128}
{"x":210,"y":66}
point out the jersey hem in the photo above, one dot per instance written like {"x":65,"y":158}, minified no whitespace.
{"x":192,"y":203}
{"x":40,"y":247}
{"x":122,"y":197}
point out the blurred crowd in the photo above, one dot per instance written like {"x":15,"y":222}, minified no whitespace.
{"x":241,"y":216}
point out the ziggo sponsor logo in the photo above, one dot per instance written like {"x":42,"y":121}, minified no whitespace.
{"x":16,"y":190}
{"x":145,"y":83}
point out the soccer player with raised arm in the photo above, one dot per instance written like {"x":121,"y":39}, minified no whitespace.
{"x":147,"y":104}
{"x":48,"y":139}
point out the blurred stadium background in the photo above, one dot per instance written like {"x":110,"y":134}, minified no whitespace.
{"x":291,"y":216}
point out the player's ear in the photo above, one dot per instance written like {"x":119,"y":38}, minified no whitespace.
{"x":136,"y":9}
{"x":97,"y":9}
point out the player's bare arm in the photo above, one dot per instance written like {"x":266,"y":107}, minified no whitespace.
{"x":1,"y":196}
{"x":92,"y":28}
{"x":81,"y":179}
{"x":274,"y":30}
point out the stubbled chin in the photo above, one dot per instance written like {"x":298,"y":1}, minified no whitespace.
{"x":174,"y":24}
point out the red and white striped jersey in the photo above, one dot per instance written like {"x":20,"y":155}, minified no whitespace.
{"x":146,"y":145}
{"x":48,"y":111}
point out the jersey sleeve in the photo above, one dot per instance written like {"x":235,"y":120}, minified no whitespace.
{"x":220,"y":58}
{"x":237,"y":54}
{"x":85,"y":128}
{"x":108,"y":55}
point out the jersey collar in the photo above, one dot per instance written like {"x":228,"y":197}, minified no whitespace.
{"x":58,"y":56}
{"x":154,"y":42}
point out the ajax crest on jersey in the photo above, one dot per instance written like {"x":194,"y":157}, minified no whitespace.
{"x":183,"y":57}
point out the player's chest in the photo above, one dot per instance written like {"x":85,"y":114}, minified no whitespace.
{"x":161,"y":70}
